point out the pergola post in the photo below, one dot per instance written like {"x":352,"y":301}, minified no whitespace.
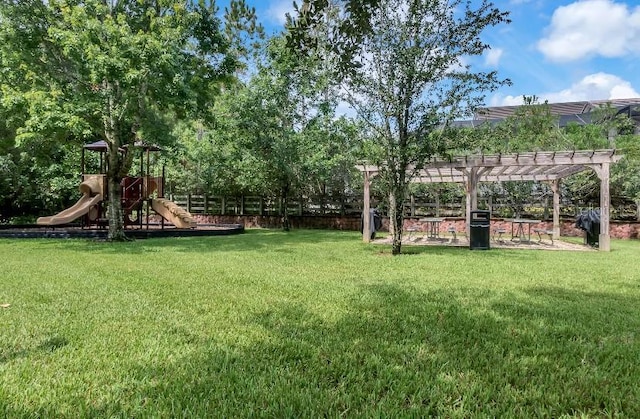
{"x":471,"y":189}
{"x":604,"y":239}
{"x":366,"y":237}
{"x":555,"y":187}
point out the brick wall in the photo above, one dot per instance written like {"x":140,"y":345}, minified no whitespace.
{"x":618,"y":229}
{"x":262,"y":221}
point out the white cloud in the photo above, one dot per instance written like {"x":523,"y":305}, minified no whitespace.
{"x":492,"y":57}
{"x":500,"y":100}
{"x":596,"y":86}
{"x":592,"y":27}
{"x":278,"y":10}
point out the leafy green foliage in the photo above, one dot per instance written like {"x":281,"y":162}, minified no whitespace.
{"x":349,"y":32}
{"x":278,"y":133}
{"x":36,"y":176}
{"x":168,"y":73}
{"x":114,"y":70}
{"x":400,"y":66}
{"x":205,"y":159}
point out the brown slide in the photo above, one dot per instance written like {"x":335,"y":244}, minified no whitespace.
{"x":171,"y":212}
{"x":91,"y":194}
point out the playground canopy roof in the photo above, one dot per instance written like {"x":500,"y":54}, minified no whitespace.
{"x":102,"y":146}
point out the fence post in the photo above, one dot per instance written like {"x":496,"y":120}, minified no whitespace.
{"x":188,"y":202}
{"x":241,"y":204}
{"x":223,"y":205}
{"x":437,"y":203}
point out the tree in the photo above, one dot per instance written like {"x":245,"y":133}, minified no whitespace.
{"x":305,"y":32}
{"x":286,"y":127}
{"x":32,"y":178}
{"x":402,"y":67}
{"x":204,"y":159}
{"x":117,"y":70}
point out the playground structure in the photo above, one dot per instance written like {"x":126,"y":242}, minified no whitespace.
{"x":139,"y":196}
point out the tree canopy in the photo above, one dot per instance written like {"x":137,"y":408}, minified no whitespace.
{"x":240,"y":117}
{"x":114,"y":70}
{"x":402,"y":67}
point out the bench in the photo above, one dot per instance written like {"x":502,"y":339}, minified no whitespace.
{"x":541,"y":231}
{"x":499,"y":232}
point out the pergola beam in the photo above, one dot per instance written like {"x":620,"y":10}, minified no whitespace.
{"x":541,"y":158}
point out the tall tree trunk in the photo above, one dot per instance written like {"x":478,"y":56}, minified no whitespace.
{"x":118,"y":165}
{"x":396,"y":218}
{"x":114,"y":178}
{"x":286,"y":225}
{"x":116,"y":216}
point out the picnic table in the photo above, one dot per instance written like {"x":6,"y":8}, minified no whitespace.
{"x":518,"y":230}
{"x":433,"y":226}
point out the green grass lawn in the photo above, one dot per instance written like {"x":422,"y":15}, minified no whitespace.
{"x":313,"y":323}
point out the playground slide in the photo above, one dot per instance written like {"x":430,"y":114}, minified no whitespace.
{"x":171,"y":212}
{"x":90,"y":196}
{"x":78,"y":209}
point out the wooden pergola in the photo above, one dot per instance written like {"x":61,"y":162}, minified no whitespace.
{"x":548,"y":166}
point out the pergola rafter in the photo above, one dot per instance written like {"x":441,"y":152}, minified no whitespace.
{"x":548,"y":166}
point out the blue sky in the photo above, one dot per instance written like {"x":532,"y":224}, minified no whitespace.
{"x":558,"y":50}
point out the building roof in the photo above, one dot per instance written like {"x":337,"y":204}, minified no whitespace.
{"x":561,"y":109}
{"x":579,"y":113}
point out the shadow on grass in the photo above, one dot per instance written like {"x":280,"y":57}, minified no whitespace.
{"x":48,"y":345}
{"x":250,"y":240}
{"x":276,"y":241}
{"x":397,"y":351}
{"x":519,"y":257}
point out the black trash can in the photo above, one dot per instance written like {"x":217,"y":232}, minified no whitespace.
{"x":480,"y":230}
{"x":375,"y":223}
{"x":589,"y":222}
